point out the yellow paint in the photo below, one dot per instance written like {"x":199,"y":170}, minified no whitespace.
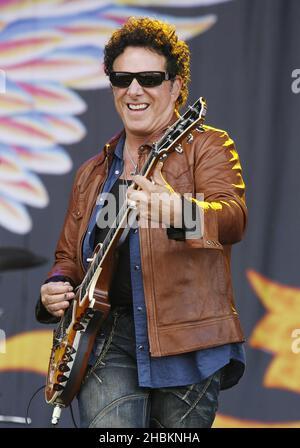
{"x":205,"y":205}
{"x":224,"y":421}
{"x":273,"y":333}
{"x":28,"y":351}
{"x":241,"y":184}
{"x":234,"y":158}
{"x":166,"y":184}
{"x":230,"y":142}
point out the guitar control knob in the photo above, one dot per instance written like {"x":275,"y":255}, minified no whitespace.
{"x":66,"y":358}
{"x":190,"y":138}
{"x":70,"y":350}
{"x":58,"y":387}
{"x":179,"y":148}
{"x":78,"y":327}
{"x":63,"y":368}
{"x":61,"y":378}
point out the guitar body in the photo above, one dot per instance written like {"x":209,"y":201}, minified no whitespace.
{"x":69,"y":359}
{"x":74,"y":337}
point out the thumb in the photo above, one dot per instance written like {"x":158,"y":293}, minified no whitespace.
{"x":157,"y":176}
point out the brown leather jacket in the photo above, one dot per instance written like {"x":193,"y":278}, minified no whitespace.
{"x":187,"y":284}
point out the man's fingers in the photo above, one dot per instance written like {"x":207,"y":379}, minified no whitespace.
{"x":144,"y":183}
{"x":55,"y":297}
{"x":49,"y":299}
{"x":56,"y":288}
{"x":137,"y":196}
{"x":58,"y":306}
{"x":59,"y":313}
{"x":157,"y":175}
{"x":155,"y":185}
{"x":57,"y":309}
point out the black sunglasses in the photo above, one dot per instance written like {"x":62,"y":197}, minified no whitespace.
{"x":145,"y":79}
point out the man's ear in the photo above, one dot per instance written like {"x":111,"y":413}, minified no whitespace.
{"x":176,"y":87}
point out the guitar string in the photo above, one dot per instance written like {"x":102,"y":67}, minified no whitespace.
{"x":111,"y":232}
{"x":166,"y":137}
{"x":123,"y":209}
{"x":118,"y":219}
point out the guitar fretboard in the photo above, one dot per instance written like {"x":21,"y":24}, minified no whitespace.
{"x":178,"y":130}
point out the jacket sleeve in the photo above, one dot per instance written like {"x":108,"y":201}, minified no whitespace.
{"x":66,"y":262}
{"x":65,"y":267}
{"x":41,"y":313}
{"x":219,"y":183}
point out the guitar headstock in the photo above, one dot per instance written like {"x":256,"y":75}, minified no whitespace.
{"x":194,"y":115}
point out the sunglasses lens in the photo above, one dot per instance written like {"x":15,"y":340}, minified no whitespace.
{"x":145,"y":79}
{"x":121,"y":79}
{"x":150,"y":79}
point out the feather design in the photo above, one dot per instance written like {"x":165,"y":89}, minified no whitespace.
{"x":48,"y":48}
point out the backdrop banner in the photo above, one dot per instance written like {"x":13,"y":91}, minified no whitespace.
{"x":56,"y":111}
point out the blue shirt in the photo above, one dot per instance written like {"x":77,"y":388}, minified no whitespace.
{"x":175,"y":370}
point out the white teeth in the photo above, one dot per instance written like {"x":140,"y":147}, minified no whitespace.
{"x":137,"y":106}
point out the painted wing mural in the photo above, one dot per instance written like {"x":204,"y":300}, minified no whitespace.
{"x":275,"y":333}
{"x":48,"y":48}
{"x":277,"y":330}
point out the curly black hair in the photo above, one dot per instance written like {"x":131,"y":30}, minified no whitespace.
{"x":158,"y":36}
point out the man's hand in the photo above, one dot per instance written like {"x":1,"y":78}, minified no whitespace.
{"x":154,"y":201}
{"x":55,"y":297}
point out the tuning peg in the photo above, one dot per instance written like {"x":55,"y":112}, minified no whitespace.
{"x":179,"y":148}
{"x":78,"y":327}
{"x":85,"y":320}
{"x":68,"y":350}
{"x":63,"y":367}
{"x":163,"y":156}
{"x":190,"y":138}
{"x":66,"y":358}
{"x":199,"y":129}
{"x":61,"y":378}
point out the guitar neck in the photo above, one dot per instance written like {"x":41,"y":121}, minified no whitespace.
{"x":159,"y":150}
{"x":116,"y":230}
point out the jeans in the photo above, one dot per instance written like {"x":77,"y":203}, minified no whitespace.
{"x":110,"y":396}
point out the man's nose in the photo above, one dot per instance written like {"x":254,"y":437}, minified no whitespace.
{"x":135,"y":88}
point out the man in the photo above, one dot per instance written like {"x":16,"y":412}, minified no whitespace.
{"x":172,"y":339}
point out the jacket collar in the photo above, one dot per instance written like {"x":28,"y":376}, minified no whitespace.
{"x":112,"y":146}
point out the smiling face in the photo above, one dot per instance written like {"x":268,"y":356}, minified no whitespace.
{"x":144,"y":110}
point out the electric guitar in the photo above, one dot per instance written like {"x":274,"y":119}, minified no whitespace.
{"x":75,"y":334}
